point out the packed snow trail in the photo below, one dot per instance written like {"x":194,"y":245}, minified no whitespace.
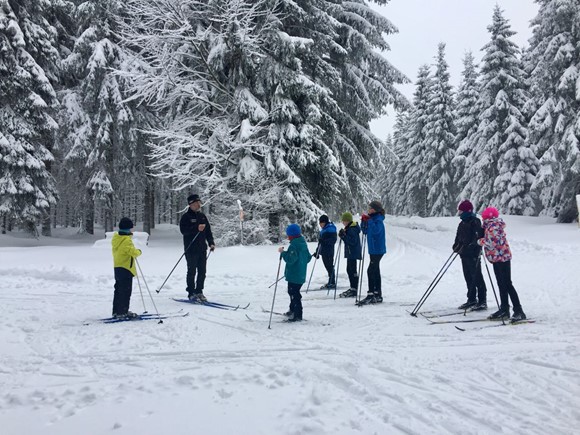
{"x":346,"y":370}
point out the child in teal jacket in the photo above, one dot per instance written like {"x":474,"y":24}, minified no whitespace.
{"x":297,"y":258}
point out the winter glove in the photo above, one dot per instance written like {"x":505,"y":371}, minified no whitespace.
{"x":341,"y":233}
{"x":315,"y":255}
{"x":456,"y":247}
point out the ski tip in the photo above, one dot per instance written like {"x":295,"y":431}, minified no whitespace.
{"x":460,"y":329}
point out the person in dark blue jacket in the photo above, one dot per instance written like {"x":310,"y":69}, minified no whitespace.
{"x":326,"y":242}
{"x":350,"y":236}
{"x":373,"y":227}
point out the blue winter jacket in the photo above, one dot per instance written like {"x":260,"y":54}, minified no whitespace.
{"x":374,"y":228}
{"x":351,"y":239}
{"x":327,"y":240}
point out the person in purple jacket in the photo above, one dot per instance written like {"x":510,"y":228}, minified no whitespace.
{"x":497,"y":251}
{"x":373,"y":226}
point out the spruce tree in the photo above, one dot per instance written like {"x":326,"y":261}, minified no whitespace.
{"x":501,"y":166}
{"x":27,"y":102}
{"x":466,"y":116}
{"x":553,"y":61}
{"x":439,"y":148}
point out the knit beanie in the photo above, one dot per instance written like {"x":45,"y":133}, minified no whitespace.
{"x":323,"y":219}
{"x":293,"y":230}
{"x":193,"y":198}
{"x":465,"y":206}
{"x":490,"y":213}
{"x":376,"y":205}
{"x":346,"y":217}
{"x":125,"y":224}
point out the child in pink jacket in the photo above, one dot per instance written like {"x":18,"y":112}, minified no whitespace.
{"x":497,"y":251}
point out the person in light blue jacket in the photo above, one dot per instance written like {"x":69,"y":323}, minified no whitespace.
{"x":373,"y":226}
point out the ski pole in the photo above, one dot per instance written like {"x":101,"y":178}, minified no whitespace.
{"x":430,"y":290}
{"x":208,"y":254}
{"x":150,"y":295}
{"x":337,"y":269}
{"x":313,"y":266}
{"x":274,"y":297}
{"x":493,"y":288}
{"x":274,"y":283}
{"x":361,"y":268}
{"x":333,"y":275}
{"x":141,"y":293}
{"x":414,"y":313}
{"x":182,"y":255}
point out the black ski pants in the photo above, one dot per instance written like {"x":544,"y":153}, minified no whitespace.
{"x":374,"y":274}
{"x":503,"y":275}
{"x":123,"y":289}
{"x":196,"y":265}
{"x":329,"y":266}
{"x":352,"y":272}
{"x":295,"y":299}
{"x":476,"y":290}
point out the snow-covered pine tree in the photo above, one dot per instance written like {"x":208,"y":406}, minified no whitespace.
{"x":99,"y":137}
{"x":414,"y":189}
{"x":466,"y":114}
{"x":553,"y":61}
{"x":439,"y":149}
{"x":384,"y":179}
{"x":278,"y":88}
{"x":501,"y":166}
{"x":27,"y":100}
{"x":397,"y":170}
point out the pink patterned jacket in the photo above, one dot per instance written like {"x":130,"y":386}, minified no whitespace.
{"x":494,"y":241}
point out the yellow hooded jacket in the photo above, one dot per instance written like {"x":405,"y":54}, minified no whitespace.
{"x":124,"y":252}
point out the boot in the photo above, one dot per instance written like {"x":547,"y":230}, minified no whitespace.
{"x":481,"y":306}
{"x":293,"y":317}
{"x":370,"y":299}
{"x":518,"y":316}
{"x":467,"y":305}
{"x":501,"y":314}
{"x":350,"y":293}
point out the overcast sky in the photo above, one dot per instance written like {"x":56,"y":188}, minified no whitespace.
{"x":461,"y":24}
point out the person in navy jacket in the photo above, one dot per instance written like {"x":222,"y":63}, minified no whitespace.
{"x":350,"y":236}
{"x":374,"y":228}
{"x":326,"y":242}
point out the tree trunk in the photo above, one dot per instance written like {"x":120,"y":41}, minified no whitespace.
{"x":46,"y":229}
{"x":147,"y":205}
{"x":274,"y":227}
{"x":89,"y":213}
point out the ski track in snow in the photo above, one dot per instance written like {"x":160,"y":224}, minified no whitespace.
{"x":345,"y":370}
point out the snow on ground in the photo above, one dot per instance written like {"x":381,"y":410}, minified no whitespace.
{"x":346,"y":370}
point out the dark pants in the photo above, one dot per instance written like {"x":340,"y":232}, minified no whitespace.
{"x":295,"y":299}
{"x":503,"y":275}
{"x":352,"y":271}
{"x":196,"y":263}
{"x":329,"y":266}
{"x":374,"y":275}
{"x":123,"y":289}
{"x":476,"y":290}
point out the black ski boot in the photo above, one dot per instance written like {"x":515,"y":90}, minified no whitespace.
{"x":518,"y":316}
{"x":501,"y":314}
{"x":350,"y":293}
{"x":481,"y":306}
{"x":370,"y":299}
{"x":467,"y":305}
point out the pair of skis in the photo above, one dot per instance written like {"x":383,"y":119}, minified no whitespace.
{"x":443,"y":322}
{"x":217,"y":305}
{"x":143,"y":316}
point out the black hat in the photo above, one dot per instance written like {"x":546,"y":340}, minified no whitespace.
{"x":323,"y":219}
{"x":125,"y":224}
{"x":376,"y":205}
{"x":193,"y":198}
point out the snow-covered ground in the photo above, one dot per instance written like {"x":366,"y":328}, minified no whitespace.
{"x":346,"y":370}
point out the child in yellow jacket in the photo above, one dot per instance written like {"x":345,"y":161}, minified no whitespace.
{"x":124,"y":255}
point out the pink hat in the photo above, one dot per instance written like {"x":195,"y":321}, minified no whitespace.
{"x":490,"y":213}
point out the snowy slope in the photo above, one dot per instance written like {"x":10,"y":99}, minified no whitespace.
{"x":346,"y":370}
